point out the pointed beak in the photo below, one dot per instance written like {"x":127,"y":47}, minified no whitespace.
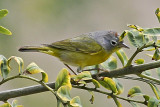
{"x":123,"y":45}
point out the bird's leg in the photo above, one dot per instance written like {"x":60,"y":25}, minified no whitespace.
{"x":79,"y":69}
{"x":70,"y":68}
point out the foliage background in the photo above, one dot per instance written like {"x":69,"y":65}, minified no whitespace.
{"x":35,"y":22}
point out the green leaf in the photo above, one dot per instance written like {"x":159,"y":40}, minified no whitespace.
{"x":157,"y":12}
{"x":85,"y":75}
{"x":4,"y":68}
{"x":153,"y":102}
{"x":146,"y":97}
{"x":156,"y":55}
{"x":137,"y":38}
{"x":34,"y":69}
{"x":5,"y":31}
{"x":122,"y":56}
{"x":139,"y":61}
{"x":76,"y":102}
{"x":152,"y":32}
{"x":119,"y":86}
{"x":3,"y":13}
{"x":96,"y":83}
{"x":63,"y":93}
{"x":109,"y":84}
{"x":19,"y":62}
{"x":5,"y":105}
{"x":135,"y":91}
{"x":136,"y":27}
{"x":63,"y":79}
{"x":155,"y":90}
{"x":92,"y":96}
{"x":110,"y":63}
{"x":117,"y":102}
{"x":134,"y":104}
{"x":122,"y":36}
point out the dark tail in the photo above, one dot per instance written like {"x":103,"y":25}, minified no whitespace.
{"x":31,"y":49}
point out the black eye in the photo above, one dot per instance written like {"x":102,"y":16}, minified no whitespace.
{"x":113,"y":42}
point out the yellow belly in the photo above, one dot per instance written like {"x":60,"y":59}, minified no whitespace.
{"x":81,"y":59}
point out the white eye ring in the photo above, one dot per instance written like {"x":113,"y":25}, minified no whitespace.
{"x":113,"y":42}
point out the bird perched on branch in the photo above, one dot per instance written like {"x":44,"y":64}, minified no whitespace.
{"x":85,"y":50}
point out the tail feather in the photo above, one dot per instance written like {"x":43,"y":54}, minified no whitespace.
{"x":31,"y":49}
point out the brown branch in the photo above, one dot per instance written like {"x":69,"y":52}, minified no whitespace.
{"x":134,"y":69}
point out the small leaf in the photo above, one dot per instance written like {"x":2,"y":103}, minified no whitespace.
{"x":156,"y":55}
{"x":5,"y":105}
{"x":119,"y":86}
{"x":63,"y":79}
{"x":5,"y":31}
{"x":122,"y":36}
{"x":149,"y":48}
{"x":110,"y":63}
{"x":139,"y":61}
{"x":4,"y":68}
{"x":157,"y":12}
{"x":34,"y":69}
{"x":3,"y":13}
{"x":122,"y":56}
{"x":19,"y":61}
{"x":92,"y":96}
{"x":135,"y":27}
{"x":76,"y":102}
{"x":135,"y":91}
{"x":109,"y":84}
{"x":63,"y":93}
{"x":146,"y":97}
{"x":96,"y":83}
{"x":153,"y":102}
{"x":85,"y":75}
{"x":117,"y":102}
{"x":155,"y":90}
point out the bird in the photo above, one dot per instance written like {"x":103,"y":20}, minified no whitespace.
{"x":81,"y":51}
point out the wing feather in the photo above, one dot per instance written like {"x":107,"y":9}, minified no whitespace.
{"x":82,"y":43}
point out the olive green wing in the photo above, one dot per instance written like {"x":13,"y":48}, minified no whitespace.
{"x":82,"y":43}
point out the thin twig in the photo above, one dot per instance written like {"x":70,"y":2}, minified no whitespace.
{"x":106,"y":93}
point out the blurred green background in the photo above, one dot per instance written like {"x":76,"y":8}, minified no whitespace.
{"x":35,"y":22}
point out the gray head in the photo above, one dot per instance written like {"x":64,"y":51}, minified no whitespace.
{"x":109,"y":40}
